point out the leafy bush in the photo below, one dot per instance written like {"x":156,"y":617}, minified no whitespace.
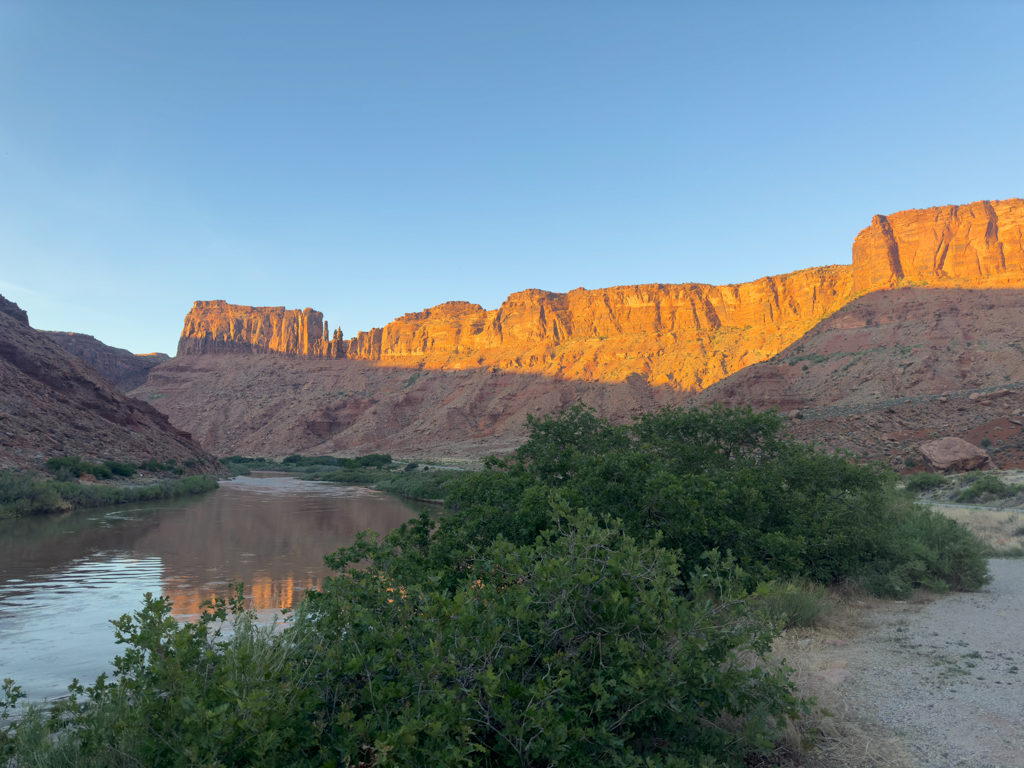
{"x":925,"y":481}
{"x":926,"y":549}
{"x":411,"y":466}
{"x":152,"y":465}
{"x":700,"y":480}
{"x":123,"y":469}
{"x":723,"y":479}
{"x":363,"y":476}
{"x":74,"y":466}
{"x":578,"y":649}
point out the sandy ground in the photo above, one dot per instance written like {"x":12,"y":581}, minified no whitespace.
{"x":935,"y":685}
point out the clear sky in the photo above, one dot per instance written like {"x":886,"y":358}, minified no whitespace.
{"x":369,"y":159}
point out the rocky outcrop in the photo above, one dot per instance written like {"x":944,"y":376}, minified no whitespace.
{"x":976,"y":245}
{"x":216,"y":327}
{"x":118,"y":366}
{"x":52,"y":404}
{"x":952,"y":454}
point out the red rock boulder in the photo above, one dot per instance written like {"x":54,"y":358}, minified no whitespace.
{"x":951,"y":454}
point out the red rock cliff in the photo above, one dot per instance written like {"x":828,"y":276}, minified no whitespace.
{"x":686,"y":336}
{"x":218,"y":327}
{"x":980,"y":245}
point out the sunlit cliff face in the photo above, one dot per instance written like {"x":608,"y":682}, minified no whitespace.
{"x":685,"y":337}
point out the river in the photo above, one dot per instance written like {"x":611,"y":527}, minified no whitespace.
{"x":64,"y":577}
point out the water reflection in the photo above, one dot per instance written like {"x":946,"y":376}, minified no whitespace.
{"x":62,"y":578}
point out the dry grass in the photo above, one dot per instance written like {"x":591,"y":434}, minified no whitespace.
{"x":841,"y":736}
{"x":1001,"y":529}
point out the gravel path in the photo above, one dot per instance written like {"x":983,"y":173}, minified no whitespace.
{"x":947,"y":678}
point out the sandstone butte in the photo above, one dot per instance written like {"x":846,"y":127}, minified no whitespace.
{"x":686,"y":337}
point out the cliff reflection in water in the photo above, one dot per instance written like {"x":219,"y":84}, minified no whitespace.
{"x":269,"y":532}
{"x":64,"y":577}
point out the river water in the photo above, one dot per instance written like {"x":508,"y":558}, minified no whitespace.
{"x":64,"y":577}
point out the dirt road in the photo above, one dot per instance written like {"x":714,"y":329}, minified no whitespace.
{"x":942,"y":683}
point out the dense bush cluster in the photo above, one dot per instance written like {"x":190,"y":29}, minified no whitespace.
{"x":596,"y":599}
{"x":700,"y":480}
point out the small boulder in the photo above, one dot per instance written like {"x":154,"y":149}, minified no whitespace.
{"x":951,"y":454}
{"x":942,"y":400}
{"x":999,"y":393}
{"x":795,"y":414}
{"x":984,"y":402}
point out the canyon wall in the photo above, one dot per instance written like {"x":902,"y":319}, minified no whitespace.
{"x":118,"y":366}
{"x":977,"y":245}
{"x":53,"y":404}
{"x":216,"y":327}
{"x":684,"y":336}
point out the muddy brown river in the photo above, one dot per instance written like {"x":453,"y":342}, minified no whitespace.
{"x":64,"y":577}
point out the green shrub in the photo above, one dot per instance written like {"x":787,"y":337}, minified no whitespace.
{"x":925,"y":549}
{"x":432,"y":487}
{"x":71,"y":463}
{"x":411,"y":466}
{"x":575,"y":650}
{"x":152,"y":466}
{"x":925,"y":481}
{"x":582,"y":651}
{"x":986,"y":443}
{"x":990,"y":485}
{"x":122,"y":469}
{"x":700,"y":479}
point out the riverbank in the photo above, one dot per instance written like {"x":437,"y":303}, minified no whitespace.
{"x":23,"y":494}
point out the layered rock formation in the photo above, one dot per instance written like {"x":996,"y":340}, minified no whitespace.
{"x":682,"y":336}
{"x":979,"y":245}
{"x":52,"y":404}
{"x":118,"y":366}
{"x":216,"y":327}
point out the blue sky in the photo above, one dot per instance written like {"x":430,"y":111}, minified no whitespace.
{"x":369,"y":159}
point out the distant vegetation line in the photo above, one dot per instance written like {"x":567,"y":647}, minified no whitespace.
{"x":22,"y":494}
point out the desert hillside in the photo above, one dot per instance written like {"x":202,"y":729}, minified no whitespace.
{"x":124,"y":370}
{"x":52,"y":404}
